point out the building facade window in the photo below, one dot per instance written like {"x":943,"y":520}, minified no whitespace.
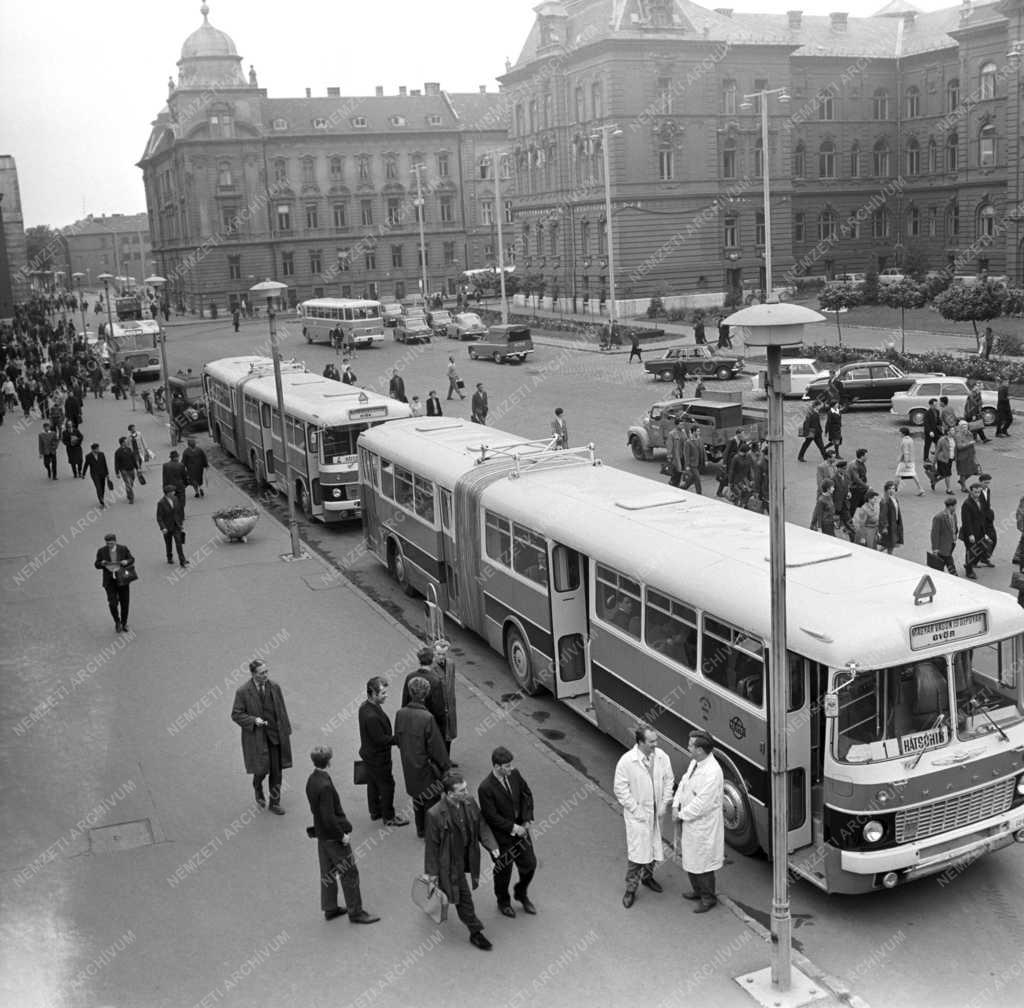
{"x":666,"y":165}
{"x":828,"y":224}
{"x":913,"y":157}
{"x":855,"y":160}
{"x":366,"y":212}
{"x":664,"y":95}
{"x":580,"y":104}
{"x":932,"y":219}
{"x":234,"y":267}
{"x":312,"y":217}
{"x":987,"y":146}
{"x":280,"y":170}
{"x":913,"y":102}
{"x":759,"y":229}
{"x":520,"y":120}
{"x":596,"y":101}
{"x":364,"y":169}
{"x":953,"y":219}
{"x":394,"y":211}
{"x":509,"y":212}
{"x":987,"y":221}
{"x":880,"y":105}
{"x":224,"y":177}
{"x":730,"y":232}
{"x":287,"y":264}
{"x":729,"y":159}
{"x":336,"y":168}
{"x":484,"y":167}
{"x":396,"y":256}
{"x":913,"y":222}
{"x":826,"y":108}
{"x":952,"y":152}
{"x":952,"y":95}
{"x":370,"y":261}
{"x":316,"y":264}
{"x":447,"y":209}
{"x":987,"y":81}
{"x":390,"y":169}
{"x":933,"y":156}
{"x":487,"y":211}
{"x":798,"y":227}
{"x":449,"y":253}
{"x":799,"y":160}
{"x":759,"y":158}
{"x":585,"y":238}
{"x":827,"y":160}
{"x":880,"y":223}
{"x":881,"y":159}
{"x":729,"y":97}
{"x":308,"y":171}
{"x":340,"y":215}
{"x":284,"y":217}
{"x":442,"y":165}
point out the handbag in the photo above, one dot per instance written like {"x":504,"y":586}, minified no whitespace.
{"x":430,"y":899}
{"x":935,"y":562}
{"x":975,"y":425}
{"x":1017,"y":581}
{"x":125,"y":575}
{"x":110,"y":483}
{"x":360,"y":775}
{"x":142,"y":479}
{"x":459,"y":383}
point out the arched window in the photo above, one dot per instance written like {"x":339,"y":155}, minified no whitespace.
{"x":953,"y":219}
{"x":987,"y":80}
{"x":520,"y":120}
{"x":952,"y":152}
{"x":553,"y":239}
{"x":880,"y":223}
{"x":308,"y":172}
{"x":880,"y":104}
{"x":484,"y":166}
{"x":881,"y":158}
{"x":531,"y":117}
{"x":280,"y":170}
{"x":933,"y":155}
{"x":952,"y":95}
{"x":827,"y":160}
{"x":596,"y":101}
{"x":987,"y":146}
{"x":987,"y":221}
{"x":729,"y":97}
{"x":913,"y":102}
{"x":913,"y":222}
{"x":759,"y":158}
{"x":729,"y":158}
{"x":799,"y":160}
{"x":581,"y":101}
{"x":913,"y":157}
{"x":336,"y":168}
{"x":828,"y":224}
{"x":826,"y":107}
{"x":855,"y":160}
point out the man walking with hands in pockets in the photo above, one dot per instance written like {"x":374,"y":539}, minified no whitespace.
{"x":697,"y":809}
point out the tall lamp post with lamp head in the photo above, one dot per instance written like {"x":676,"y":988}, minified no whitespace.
{"x":494,"y":159}
{"x":416,"y":170}
{"x":106,"y":278}
{"x":77,"y":277}
{"x":271,"y":289}
{"x":158,"y":282}
{"x":603,"y":133}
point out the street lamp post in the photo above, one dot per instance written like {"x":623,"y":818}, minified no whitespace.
{"x":271,"y":289}
{"x":158,"y":282}
{"x":106,"y":278}
{"x":604,"y":132}
{"x":419,"y":214}
{"x":77,"y":277}
{"x":498,"y":214}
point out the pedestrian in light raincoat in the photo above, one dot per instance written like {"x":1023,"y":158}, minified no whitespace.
{"x":700,"y":823}
{"x":643,"y":787}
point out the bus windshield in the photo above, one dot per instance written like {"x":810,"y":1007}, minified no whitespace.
{"x":340,"y":442}
{"x":904,"y":710}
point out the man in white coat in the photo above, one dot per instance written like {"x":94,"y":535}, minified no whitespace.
{"x":697,"y":807}
{"x":643,"y":787}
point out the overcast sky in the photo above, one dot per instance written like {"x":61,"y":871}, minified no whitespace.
{"x":81,"y":83}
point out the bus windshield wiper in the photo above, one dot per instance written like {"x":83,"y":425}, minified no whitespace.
{"x":974,"y":705}
{"x":937,"y":723}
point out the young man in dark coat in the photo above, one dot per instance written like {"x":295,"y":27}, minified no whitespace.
{"x":811,"y":432}
{"x":506,"y":803}
{"x":945,"y":532}
{"x":195,"y":463}
{"x":260,"y":711}
{"x":424,"y":760}
{"x":95,"y":465}
{"x":124,"y":466}
{"x":175,"y":474}
{"x":890,"y":518}
{"x":973,"y":524}
{"x":332,"y":831}
{"x":376,"y":739}
{"x":451,"y":859}
{"x":110,"y":558}
{"x":168,"y":519}
{"x":433,"y":404}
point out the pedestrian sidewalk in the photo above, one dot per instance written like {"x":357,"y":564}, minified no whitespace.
{"x":175,"y":853}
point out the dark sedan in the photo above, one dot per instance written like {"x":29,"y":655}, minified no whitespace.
{"x":865,"y":382}
{"x":699,"y":359}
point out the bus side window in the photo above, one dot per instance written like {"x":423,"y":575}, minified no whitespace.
{"x":529,"y":555}
{"x":671,"y":628}
{"x":621,"y":605}
{"x":314,"y":438}
{"x":387,"y":478}
{"x":497,"y":538}
{"x":403,"y":487}
{"x":423,"y":493}
{"x":733,"y":659}
{"x":566,"y":569}
{"x":446,"y":510}
{"x":264,"y":415}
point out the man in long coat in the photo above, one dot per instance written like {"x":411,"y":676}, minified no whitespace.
{"x":266,"y":732}
{"x":424,"y":759}
{"x":698,"y":809}
{"x":643,"y":787}
{"x":194,"y":460}
{"x":376,"y":739}
{"x":973,"y":525}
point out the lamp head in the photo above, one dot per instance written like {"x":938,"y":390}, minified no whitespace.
{"x":784,"y":98}
{"x":746,"y":106}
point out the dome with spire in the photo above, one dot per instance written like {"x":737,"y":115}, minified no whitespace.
{"x":207,"y":40}
{"x":209,"y":57}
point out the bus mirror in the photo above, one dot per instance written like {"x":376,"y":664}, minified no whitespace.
{"x":831,"y":705}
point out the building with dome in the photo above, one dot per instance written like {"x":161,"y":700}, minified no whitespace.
{"x":318,"y":192}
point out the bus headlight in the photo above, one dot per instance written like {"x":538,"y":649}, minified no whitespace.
{"x":1020,"y":785}
{"x":336,"y":493}
{"x":873,"y":831}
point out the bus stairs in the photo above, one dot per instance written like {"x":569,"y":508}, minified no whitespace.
{"x":808,"y":862}
{"x":583,"y":706}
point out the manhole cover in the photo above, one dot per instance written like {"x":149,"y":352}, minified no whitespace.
{"x":120,"y":836}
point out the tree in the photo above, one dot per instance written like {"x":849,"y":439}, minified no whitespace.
{"x":903,"y":295}
{"x":915,"y":262}
{"x":42,"y":246}
{"x":869,"y":292}
{"x":837,"y":297}
{"x":978,"y":303}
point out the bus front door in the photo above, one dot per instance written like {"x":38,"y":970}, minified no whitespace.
{"x":798,"y":746}
{"x":570,"y":631}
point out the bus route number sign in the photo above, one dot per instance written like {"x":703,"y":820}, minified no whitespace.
{"x":947,"y":631}
{"x":368,"y":413}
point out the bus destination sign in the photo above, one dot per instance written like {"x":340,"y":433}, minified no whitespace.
{"x":948,"y":631}
{"x":910,"y":745}
{"x":368,"y":413}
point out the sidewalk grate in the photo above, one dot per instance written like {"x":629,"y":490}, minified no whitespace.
{"x":120,"y":836}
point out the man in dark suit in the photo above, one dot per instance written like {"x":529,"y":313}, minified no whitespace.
{"x":506,"y":803}
{"x":332,"y":830}
{"x":433,"y":404}
{"x":260,"y":712}
{"x":110,"y":558}
{"x":95,"y":465}
{"x":396,"y":386}
{"x":932,"y":426}
{"x":890,"y":518}
{"x":175,"y":474}
{"x":168,"y":517}
{"x":435,"y":702}
{"x":375,"y":741}
{"x":990,"y":518}
{"x":945,"y":532}
{"x":424,"y":760}
{"x":124,"y":466}
{"x":973,"y":523}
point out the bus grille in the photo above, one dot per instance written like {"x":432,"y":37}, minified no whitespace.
{"x":952,"y":813}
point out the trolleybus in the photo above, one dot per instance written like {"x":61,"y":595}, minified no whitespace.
{"x":364,"y":320}
{"x":635,"y":602}
{"x":323,"y":419}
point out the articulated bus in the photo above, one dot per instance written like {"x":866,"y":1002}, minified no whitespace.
{"x":135,"y":344}
{"x":363,"y":319}
{"x":323,"y":419}
{"x":635,"y":602}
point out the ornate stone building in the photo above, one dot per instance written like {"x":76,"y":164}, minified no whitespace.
{"x":900,"y":141}
{"x":317,"y":192}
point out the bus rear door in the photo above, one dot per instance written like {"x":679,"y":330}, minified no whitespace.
{"x":570,"y":629}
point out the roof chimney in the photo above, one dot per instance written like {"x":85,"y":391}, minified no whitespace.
{"x":909,"y":17}
{"x":401,"y":91}
{"x":724,"y":11}
{"x":309,"y":92}
{"x":379,"y":90}
{"x":334,"y":92}
{"x":965,"y":10}
{"x":795,"y":18}
{"x":838,"y":21}
{"x":415,"y":93}
{"x":432,"y":88}
{"x":483,"y":89}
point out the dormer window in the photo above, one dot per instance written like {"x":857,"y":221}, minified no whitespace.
{"x":280,"y":124}
{"x":397,"y":120}
{"x":359,"y":122}
{"x":434,"y":120}
{"x":319,"y":123}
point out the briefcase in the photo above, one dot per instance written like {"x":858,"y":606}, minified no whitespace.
{"x":935,"y":561}
{"x":360,"y":775}
{"x":430,"y":899}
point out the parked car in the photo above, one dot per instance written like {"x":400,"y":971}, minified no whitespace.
{"x":796,"y":374}
{"x":439,"y":320}
{"x":467,"y":325}
{"x":865,"y":382}
{"x":972,"y":280}
{"x":910,"y":406}
{"x":718,"y":421}
{"x":700,"y":359}
{"x":413,"y":329}
{"x":504,"y":343}
{"x":391,"y":313}
{"x":855,"y":279}
{"x":892,"y":275}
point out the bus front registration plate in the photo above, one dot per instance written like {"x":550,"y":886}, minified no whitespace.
{"x":927,"y":635}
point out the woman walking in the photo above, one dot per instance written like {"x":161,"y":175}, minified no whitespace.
{"x":905,"y":466}
{"x":1004,"y":412}
{"x":72,"y":439}
{"x":945,"y":452}
{"x":865,"y":521}
{"x":966,"y":464}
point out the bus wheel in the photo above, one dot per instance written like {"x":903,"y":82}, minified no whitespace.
{"x":398,"y":569}
{"x":520,"y":664}
{"x":639,"y":452}
{"x":303,"y":498}
{"x":496,"y":357}
{"x":740,"y":833}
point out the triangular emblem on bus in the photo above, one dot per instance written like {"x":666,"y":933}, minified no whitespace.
{"x":925,"y":591}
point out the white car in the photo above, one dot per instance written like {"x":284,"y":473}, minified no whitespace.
{"x":799,"y":371}
{"x":892,"y":275}
{"x":467,"y":325}
{"x":911,"y":406}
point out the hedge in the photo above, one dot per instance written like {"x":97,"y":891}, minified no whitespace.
{"x":961,"y":367}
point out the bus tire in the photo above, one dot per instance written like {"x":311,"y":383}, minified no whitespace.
{"x":640,"y":453}
{"x":740,"y":831}
{"x":305,"y":501}
{"x":398,"y":569}
{"x":496,"y":357}
{"x":520,"y":662}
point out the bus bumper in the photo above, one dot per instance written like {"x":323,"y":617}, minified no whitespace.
{"x":951,"y":852}
{"x":344,"y":507}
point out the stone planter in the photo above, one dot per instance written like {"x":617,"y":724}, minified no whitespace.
{"x":236,"y":523}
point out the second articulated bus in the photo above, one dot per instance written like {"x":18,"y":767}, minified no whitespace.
{"x":323,"y":419}
{"x":631,"y":602}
